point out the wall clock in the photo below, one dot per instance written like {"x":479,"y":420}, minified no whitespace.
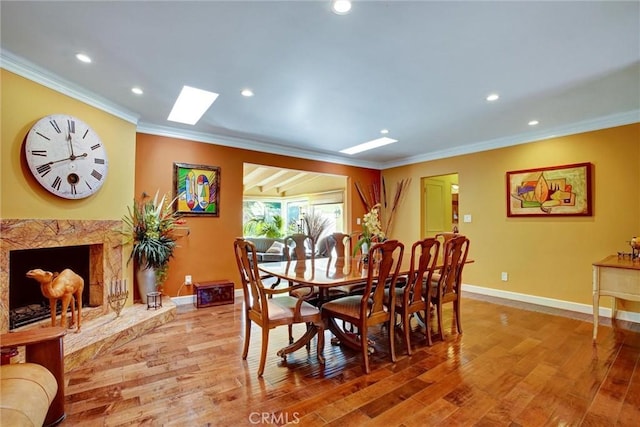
{"x":66,"y":156}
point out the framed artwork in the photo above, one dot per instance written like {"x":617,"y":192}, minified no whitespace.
{"x":551,"y":191}
{"x":196,"y":189}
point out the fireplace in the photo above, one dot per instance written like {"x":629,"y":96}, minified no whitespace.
{"x":97,"y":240}
{"x":27,"y":304}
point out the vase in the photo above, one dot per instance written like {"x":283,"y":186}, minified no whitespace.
{"x":365,"y":252}
{"x":146,"y":278}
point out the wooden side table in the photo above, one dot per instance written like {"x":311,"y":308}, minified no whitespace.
{"x":616,"y":277}
{"x":43,"y":346}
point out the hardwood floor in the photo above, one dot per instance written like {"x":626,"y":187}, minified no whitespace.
{"x":511,"y":366}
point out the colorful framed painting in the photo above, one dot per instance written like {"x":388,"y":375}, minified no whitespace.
{"x":551,"y":191}
{"x":196,"y":189}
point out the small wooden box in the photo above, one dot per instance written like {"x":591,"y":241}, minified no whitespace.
{"x":217,"y":292}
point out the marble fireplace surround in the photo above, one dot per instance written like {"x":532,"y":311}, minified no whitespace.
{"x":104,"y":249}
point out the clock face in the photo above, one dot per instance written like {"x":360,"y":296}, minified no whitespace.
{"x":66,"y":156}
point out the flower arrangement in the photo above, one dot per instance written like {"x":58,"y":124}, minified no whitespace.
{"x":371,"y":230}
{"x":149,"y":226}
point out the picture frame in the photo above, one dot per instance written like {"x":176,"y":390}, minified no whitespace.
{"x":196,"y":189}
{"x":550,"y":191}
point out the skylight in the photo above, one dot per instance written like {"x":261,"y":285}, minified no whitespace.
{"x":369,"y":145}
{"x":191,"y":104}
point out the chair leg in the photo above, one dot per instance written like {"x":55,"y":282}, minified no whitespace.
{"x":247,"y":337}
{"x":427,"y":325}
{"x":440,"y":328}
{"x":392,"y":339}
{"x":320,"y":346}
{"x":406,"y":327}
{"x":364,"y":345}
{"x":290,"y":334}
{"x":456,"y":306}
{"x":263,"y":351}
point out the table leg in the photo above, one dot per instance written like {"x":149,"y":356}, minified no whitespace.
{"x":596,"y":312}
{"x":302,"y":341}
{"x":344,"y":338}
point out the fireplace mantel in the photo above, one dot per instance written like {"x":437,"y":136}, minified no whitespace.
{"x":18,"y":234}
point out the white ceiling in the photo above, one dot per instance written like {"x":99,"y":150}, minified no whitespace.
{"x":325,"y":82}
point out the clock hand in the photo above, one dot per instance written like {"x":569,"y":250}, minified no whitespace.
{"x":71,"y":146}
{"x":72,"y":157}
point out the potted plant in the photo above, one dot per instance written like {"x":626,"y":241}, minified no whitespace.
{"x":149,"y":226}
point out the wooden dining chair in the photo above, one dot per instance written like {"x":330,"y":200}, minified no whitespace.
{"x":340,"y":243}
{"x":299,"y":247}
{"x":269,"y":313}
{"x":368,"y":309}
{"x":410,"y":298}
{"x":448,"y":286}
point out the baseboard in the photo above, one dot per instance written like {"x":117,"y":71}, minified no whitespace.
{"x":187,"y":299}
{"x":629,"y":316}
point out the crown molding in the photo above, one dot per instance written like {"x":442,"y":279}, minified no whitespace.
{"x":254,"y":145}
{"x":610,"y":121}
{"x":29,"y":70}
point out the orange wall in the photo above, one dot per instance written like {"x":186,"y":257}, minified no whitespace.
{"x":207,"y":253}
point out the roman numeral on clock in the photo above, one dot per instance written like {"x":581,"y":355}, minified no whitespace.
{"x":45,"y":137}
{"x":56,"y":183}
{"x":55,"y":126}
{"x":73,"y":189}
{"x":42,"y":153}
{"x":44,"y":169}
{"x":95,"y":147}
{"x":98,"y":161}
{"x":97,"y":175}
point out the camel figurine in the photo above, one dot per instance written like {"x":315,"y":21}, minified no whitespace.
{"x":64,"y":286}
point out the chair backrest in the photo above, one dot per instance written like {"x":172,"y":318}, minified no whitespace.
{"x":297,"y":245}
{"x":424,"y":256}
{"x":384,"y":264}
{"x":342,"y":244}
{"x":445,"y":236}
{"x":454,"y":257}
{"x":245,"y":253}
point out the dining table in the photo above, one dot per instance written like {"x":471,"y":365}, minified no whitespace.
{"x":324,"y":274}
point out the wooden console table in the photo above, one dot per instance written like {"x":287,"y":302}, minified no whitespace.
{"x":43,"y":346}
{"x":616,"y":277}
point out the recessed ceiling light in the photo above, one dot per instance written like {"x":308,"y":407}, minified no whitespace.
{"x":341,"y":7}
{"x":191,"y":104}
{"x":493,"y":97}
{"x":533,"y":122}
{"x":137,"y":90}
{"x":384,"y":131}
{"x":246,"y":92}
{"x":369,"y":145}
{"x":83,"y":58}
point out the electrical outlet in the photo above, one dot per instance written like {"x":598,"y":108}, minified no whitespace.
{"x":466,"y":218}
{"x":358,"y":220}
{"x":505,"y":276}
{"x":187,"y":280}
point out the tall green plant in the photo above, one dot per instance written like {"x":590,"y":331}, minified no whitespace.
{"x":149,"y":226}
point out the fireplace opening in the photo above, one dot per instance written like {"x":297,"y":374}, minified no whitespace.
{"x":26,"y":303}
